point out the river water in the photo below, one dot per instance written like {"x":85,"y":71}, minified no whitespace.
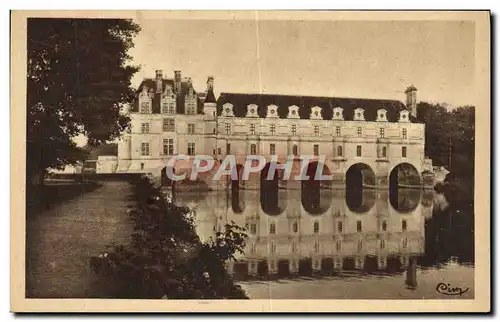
{"x":336,"y":244}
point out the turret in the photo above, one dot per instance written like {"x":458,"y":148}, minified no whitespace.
{"x":209,"y":105}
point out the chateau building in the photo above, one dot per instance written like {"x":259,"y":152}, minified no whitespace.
{"x":168,"y":117}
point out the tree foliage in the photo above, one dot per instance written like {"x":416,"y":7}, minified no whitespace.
{"x":78,"y":75}
{"x":449,"y":140}
{"x":166,"y":258}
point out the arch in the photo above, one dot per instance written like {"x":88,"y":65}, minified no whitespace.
{"x":404,"y":187}
{"x":360,"y":175}
{"x":361,"y":201}
{"x":270,"y":200}
{"x":316,"y":195}
{"x":237,"y":198}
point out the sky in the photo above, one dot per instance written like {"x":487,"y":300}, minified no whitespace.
{"x":362,"y":59}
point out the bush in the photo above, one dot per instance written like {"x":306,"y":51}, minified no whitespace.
{"x":166,"y":259}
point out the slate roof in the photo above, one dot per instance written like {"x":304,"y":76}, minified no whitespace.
{"x":210,"y":98}
{"x":151,"y":84}
{"x":305,"y":103}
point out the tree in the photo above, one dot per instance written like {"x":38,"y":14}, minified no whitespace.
{"x":78,"y":76}
{"x":449,"y":141}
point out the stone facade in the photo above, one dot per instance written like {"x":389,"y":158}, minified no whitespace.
{"x":168,"y":118}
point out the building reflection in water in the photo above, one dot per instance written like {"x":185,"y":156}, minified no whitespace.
{"x":362,"y":233}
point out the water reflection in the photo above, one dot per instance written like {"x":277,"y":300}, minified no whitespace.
{"x":368,"y":232}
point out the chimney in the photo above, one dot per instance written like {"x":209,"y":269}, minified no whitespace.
{"x":177,"y":81}
{"x":411,"y":100}
{"x":159,"y":81}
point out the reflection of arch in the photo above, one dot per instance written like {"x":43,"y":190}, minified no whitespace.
{"x":358,"y":177}
{"x":237,"y":199}
{"x":403,"y":179}
{"x":269,"y":191}
{"x":405,"y":200}
{"x":316,"y":194}
{"x":361,"y":201}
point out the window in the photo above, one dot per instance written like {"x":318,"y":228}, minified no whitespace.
{"x":339,"y":226}
{"x":403,"y":152}
{"x":167,"y":108}
{"x":384,"y":152}
{"x":228,"y":148}
{"x":295,"y":149}
{"x":253,"y":149}
{"x":191,"y":107}
{"x":145,"y":128}
{"x":295,"y":227}
{"x":294,"y":247}
{"x":403,"y":225}
{"x":228,"y":128}
{"x":190,"y":128}
{"x":405,"y":133}
{"x":168,"y":125}
{"x":168,"y":146}
{"x":337,"y":131}
{"x":359,"y":227}
{"x":384,"y":225}
{"x":316,"y":149}
{"x":316,"y":130}
{"x":358,"y":150}
{"x":294,"y":129}
{"x":145,"y":148}
{"x":272,"y":129}
{"x":360,"y":132}
{"x":253,"y":228}
{"x":272,"y":149}
{"x":339,"y":151}
{"x":252,"y":129}
{"x":214,"y":152}
{"x":316,"y":246}
{"x":405,"y":242}
{"x":191,"y":150}
{"x":316,"y":227}
{"x":360,"y":245}
{"x":273,"y":247}
{"x":272,"y":228}
{"x":382,"y":244}
{"x":142,"y":166}
{"x":145,"y":107}
{"x":252,"y":250}
{"x":381,"y":132}
{"x":219,"y":151}
{"x":338,"y":245}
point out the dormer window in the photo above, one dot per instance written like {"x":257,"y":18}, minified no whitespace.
{"x":252,"y":110}
{"x":382,"y":115}
{"x":359,"y":114}
{"x":145,"y":107}
{"x":404,"y":116}
{"x":227,"y":110}
{"x":316,"y":113}
{"x":293,"y":112}
{"x":272,"y":111}
{"x":338,"y":113}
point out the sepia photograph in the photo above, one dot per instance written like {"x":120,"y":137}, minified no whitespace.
{"x":287,"y":160}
